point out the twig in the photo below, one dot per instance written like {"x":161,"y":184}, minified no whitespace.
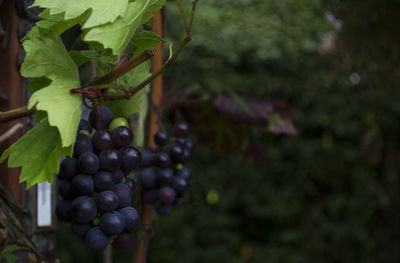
{"x":14,"y":114}
{"x":8,"y":134}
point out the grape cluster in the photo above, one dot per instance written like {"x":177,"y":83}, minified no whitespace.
{"x":163,"y":175}
{"x":96,"y":193}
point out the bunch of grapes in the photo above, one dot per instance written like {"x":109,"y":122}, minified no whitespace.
{"x":96,"y":193}
{"x":163,"y":175}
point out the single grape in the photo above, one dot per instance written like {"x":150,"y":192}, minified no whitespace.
{"x":80,"y":229}
{"x":63,"y":210}
{"x":88,"y":163}
{"x":124,"y":195}
{"x":185,"y":157}
{"x":104,"y":120}
{"x":82,"y":144}
{"x":131,"y":216}
{"x":83,"y":209}
{"x":121,"y":136}
{"x":161,"y":138}
{"x":118,"y":175}
{"x":84,"y":125}
{"x":102,"y":141}
{"x":150,"y":196}
{"x":117,"y":122}
{"x":148,"y":158}
{"x":148,"y":178}
{"x":103,"y":180}
{"x":189,"y":144}
{"x":64,"y":189}
{"x":179,"y":185}
{"x":110,"y":160}
{"x":181,"y":141}
{"x":184,"y":173}
{"x":95,"y":239}
{"x":175,"y":151}
{"x":68,"y":168}
{"x":131,"y":158}
{"x":123,"y":241}
{"x":112,"y":223}
{"x":162,"y":209}
{"x":132,"y":185}
{"x":181,"y":129}
{"x":166,"y":195}
{"x":163,"y":160}
{"x":82,"y":185}
{"x":165,"y":176}
{"x":107,"y":201}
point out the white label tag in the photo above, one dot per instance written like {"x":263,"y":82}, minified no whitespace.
{"x":44,"y":205}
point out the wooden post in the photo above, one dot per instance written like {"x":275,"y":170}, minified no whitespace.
{"x":155,"y":104}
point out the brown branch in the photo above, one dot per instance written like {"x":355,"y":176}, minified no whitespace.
{"x":122,"y":69}
{"x":10,"y":132}
{"x":15,"y":114}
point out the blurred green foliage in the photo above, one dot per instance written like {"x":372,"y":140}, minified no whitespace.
{"x":329,"y":194}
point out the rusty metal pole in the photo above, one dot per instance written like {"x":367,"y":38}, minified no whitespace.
{"x":155,"y":104}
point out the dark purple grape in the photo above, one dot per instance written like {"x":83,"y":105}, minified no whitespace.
{"x":181,"y":129}
{"x":68,"y":168}
{"x":179,"y":185}
{"x":64,"y":189}
{"x":112,"y":223}
{"x":95,"y":239}
{"x":88,"y":163}
{"x":82,"y":144}
{"x":110,"y":160}
{"x":107,"y":201}
{"x":132,"y":185}
{"x":161,"y":138}
{"x":184,"y":173}
{"x":123,"y":241}
{"x":131,"y":158}
{"x":185,"y":157}
{"x":148,"y":158}
{"x":102,"y":141}
{"x":131,"y":216}
{"x":189,"y":144}
{"x":124,"y":195}
{"x":150,"y":196}
{"x":175,"y":151}
{"x":180,"y":141}
{"x":103,"y":180}
{"x":165,"y":176}
{"x":118,"y":175}
{"x":148,"y":178}
{"x":80,"y":229}
{"x":121,"y":136}
{"x":63,"y":210}
{"x":166,"y":195}
{"x":162,"y":210}
{"x":104,"y":120}
{"x":83,"y":209}
{"x":84,"y":125}
{"x":82,"y":185}
{"x":163,"y":160}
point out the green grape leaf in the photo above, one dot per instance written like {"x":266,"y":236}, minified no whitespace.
{"x":38,"y":83}
{"x":81,"y":57}
{"x":125,"y":108}
{"x":38,"y":152}
{"x":101,"y":11}
{"x":117,"y":35}
{"x":47,"y":57}
{"x":146,"y":40}
{"x":63,"y":109}
{"x":7,"y":253}
{"x":154,"y":6}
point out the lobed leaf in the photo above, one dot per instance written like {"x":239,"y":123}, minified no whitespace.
{"x":38,"y":152}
